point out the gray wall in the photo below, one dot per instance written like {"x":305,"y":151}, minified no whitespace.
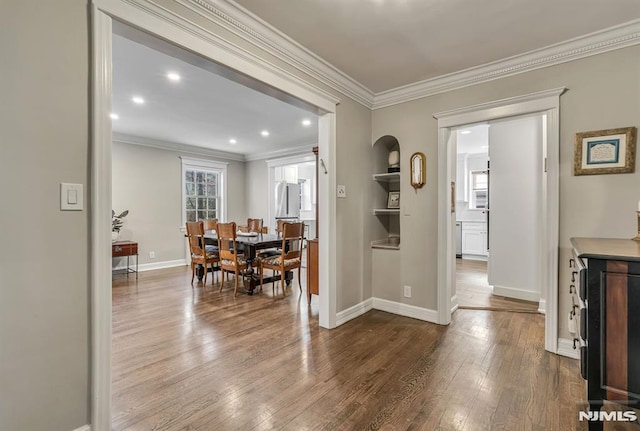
{"x":597,"y":205}
{"x":44,"y":294}
{"x":148,"y":182}
{"x":257,"y":195}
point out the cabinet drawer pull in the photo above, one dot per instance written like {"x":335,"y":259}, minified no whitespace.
{"x":573,"y":276}
{"x":572,"y":288}
{"x":572,"y":263}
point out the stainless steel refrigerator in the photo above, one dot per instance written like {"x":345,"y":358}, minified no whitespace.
{"x":287,"y":200}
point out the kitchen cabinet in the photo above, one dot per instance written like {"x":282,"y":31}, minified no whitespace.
{"x":474,"y":239}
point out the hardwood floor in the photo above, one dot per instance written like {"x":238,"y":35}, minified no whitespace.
{"x":191,"y":359}
{"x":474,"y":292}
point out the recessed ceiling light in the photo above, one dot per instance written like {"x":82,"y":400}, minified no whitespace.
{"x":265,"y":133}
{"x":114,"y":116}
{"x":465,"y":132}
{"x":173,"y":76}
{"x":233,"y":141}
{"x":138,"y":100}
{"x":306,"y":122}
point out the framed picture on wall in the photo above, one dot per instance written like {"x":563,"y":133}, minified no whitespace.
{"x":611,"y":151}
{"x":394,"y":200}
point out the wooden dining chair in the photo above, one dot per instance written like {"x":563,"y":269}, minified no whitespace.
{"x":254,"y":225}
{"x":210,"y":224}
{"x":290,"y":257}
{"x":230,"y":259}
{"x":201,"y":254}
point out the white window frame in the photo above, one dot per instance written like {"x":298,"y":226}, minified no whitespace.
{"x":205,"y":165}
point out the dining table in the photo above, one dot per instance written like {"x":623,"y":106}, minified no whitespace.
{"x":251,"y":243}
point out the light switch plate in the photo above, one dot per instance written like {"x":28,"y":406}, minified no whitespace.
{"x":342,"y":191}
{"x":71,"y":197}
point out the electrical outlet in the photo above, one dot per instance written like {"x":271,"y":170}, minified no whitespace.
{"x":407,"y":291}
{"x":342,"y":191}
{"x":152,"y":255}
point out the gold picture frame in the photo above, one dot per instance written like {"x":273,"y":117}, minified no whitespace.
{"x":611,"y":151}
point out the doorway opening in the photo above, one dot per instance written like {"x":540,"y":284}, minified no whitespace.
{"x":544,"y":102}
{"x":484,"y":276}
{"x":245,"y":69}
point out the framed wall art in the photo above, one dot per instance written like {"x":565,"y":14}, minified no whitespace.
{"x":611,"y":151}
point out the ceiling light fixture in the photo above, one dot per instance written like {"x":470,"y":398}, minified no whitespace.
{"x":465,"y":132}
{"x":114,"y":116}
{"x":265,"y":133}
{"x":138,"y":100}
{"x":233,"y":141}
{"x":306,"y":122}
{"x":173,"y":76}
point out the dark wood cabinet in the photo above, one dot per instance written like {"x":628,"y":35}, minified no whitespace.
{"x":312,"y":268}
{"x":126,"y":249}
{"x":607,"y":283}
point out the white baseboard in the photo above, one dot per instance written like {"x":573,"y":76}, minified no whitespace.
{"x":512,"y":292}
{"x":475,"y":257}
{"x":406,"y":310}
{"x":542,"y":306}
{"x":352,"y":312}
{"x":565,"y":348}
{"x":83,"y":428}
{"x":454,"y":303}
{"x":151,"y":266}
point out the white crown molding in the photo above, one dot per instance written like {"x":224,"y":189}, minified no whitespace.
{"x":283,"y":152}
{"x":174,"y":146}
{"x":253,"y":29}
{"x":610,"y":39}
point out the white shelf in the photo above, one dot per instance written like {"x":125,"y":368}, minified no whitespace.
{"x":391,"y":177}
{"x":384,"y":211}
{"x":385,"y":244}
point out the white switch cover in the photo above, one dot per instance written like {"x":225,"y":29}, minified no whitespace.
{"x":71,"y":197}
{"x":342,"y":191}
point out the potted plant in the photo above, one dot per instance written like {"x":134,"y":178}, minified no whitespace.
{"x":116,"y":223}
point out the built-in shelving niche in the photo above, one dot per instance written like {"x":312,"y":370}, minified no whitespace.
{"x":383,"y":183}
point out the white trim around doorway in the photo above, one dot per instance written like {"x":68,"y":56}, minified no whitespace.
{"x":544,"y":102}
{"x":153,"y":19}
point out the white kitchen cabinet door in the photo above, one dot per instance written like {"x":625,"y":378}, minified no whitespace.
{"x":474,"y":239}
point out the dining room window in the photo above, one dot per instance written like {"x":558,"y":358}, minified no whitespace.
{"x":203,"y":190}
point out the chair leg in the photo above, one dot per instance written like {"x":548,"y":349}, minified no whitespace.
{"x":235,"y":290}
{"x":261,"y":277}
{"x":222,"y":279}
{"x":206,"y":270}
{"x":213,"y":275}
{"x":193,"y":272}
{"x":299,"y":284}
{"x":282,"y":277}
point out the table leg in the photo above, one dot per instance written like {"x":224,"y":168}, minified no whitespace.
{"x":250,"y":283}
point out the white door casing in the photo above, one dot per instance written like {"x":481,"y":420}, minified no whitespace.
{"x":546,"y":102}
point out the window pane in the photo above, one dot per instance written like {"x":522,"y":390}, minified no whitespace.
{"x":191,"y":203}
{"x":188,"y":176}
{"x":211,"y":215}
{"x":202,"y":215}
{"x":211,"y":189}
{"x":201,"y":189}
{"x":190,"y":189}
{"x":202,"y":203}
{"x":210,"y":176}
{"x":191,"y":216}
{"x":200,"y":177}
{"x":211,"y":202}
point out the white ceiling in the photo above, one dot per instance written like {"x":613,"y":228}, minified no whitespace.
{"x":473,"y":139}
{"x":384,"y":44}
{"x":203,"y":109}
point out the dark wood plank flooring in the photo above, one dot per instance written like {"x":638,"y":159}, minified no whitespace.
{"x":194,"y":359}
{"x":474,"y":292}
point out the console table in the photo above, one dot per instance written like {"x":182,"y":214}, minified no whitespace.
{"x":128,"y":249}
{"x":606,"y":292}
